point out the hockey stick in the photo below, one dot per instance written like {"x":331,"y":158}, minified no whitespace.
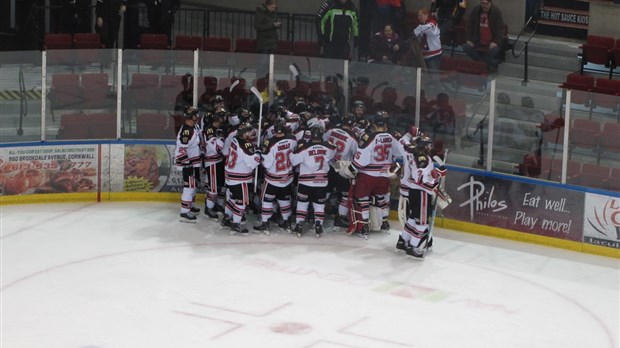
{"x":260,"y":122}
{"x":234,"y":84}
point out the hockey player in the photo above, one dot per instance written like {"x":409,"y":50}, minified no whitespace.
{"x":278,"y":175}
{"x":371,"y":166}
{"x":313,"y":158}
{"x":239,"y":171}
{"x":423,"y":182}
{"x":214,"y":164}
{"x":187,"y":159}
{"x":406,"y":156}
{"x":346,"y":145}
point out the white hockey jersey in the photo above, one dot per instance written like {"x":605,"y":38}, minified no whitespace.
{"x":188,"y":147}
{"x":345,"y":142}
{"x":374,"y":154}
{"x":401,"y":152}
{"x":240,"y":162}
{"x":313,"y":160}
{"x":229,"y":138}
{"x":277,"y":160}
{"x":423,"y":174}
{"x":214,"y":144}
{"x":428,"y":34}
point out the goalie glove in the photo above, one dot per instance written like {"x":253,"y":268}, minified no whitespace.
{"x":346,"y":169}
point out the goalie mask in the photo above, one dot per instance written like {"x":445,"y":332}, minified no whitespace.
{"x":422,"y":145}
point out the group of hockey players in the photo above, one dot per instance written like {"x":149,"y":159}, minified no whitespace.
{"x":308,"y":156}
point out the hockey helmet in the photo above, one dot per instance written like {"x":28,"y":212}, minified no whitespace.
{"x":348,"y":120}
{"x":245,"y":131}
{"x":300,"y":106}
{"x":316,"y":132}
{"x":358,"y":104}
{"x":279,"y":126}
{"x":190,"y":112}
{"x":380,"y":119}
{"x":245,"y":115}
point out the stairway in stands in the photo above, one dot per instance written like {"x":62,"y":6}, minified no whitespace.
{"x":550,"y":60}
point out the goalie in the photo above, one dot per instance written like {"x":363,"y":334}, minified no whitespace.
{"x":423,"y":183}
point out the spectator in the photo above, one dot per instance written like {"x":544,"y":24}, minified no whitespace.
{"x":388,"y":11}
{"x":185,"y":98}
{"x":161,"y":16}
{"x":77,"y":16}
{"x":448,"y":13}
{"x":484,"y":34}
{"x":428,"y":35}
{"x":360,"y":91}
{"x":108,"y":13}
{"x":337,"y":23}
{"x":386,"y":46}
{"x":267,"y":24}
{"x":441,"y":120}
{"x":389,"y":96}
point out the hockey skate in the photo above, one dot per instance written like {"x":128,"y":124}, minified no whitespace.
{"x":297,"y":230}
{"x":318,"y":229}
{"x":263,"y":227}
{"x":226,"y":222}
{"x":415,"y":253}
{"x":194,"y":210}
{"x":340,"y":221}
{"x":237,"y":229}
{"x":188,"y":217}
{"x":211,"y":213}
{"x":285,"y":225}
{"x":401,"y":245}
{"x":385,"y":225}
{"x":364,"y":232}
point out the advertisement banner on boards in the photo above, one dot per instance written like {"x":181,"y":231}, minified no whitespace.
{"x":48,"y":169}
{"x":150,"y":168}
{"x":601,"y":225}
{"x":518,"y":206}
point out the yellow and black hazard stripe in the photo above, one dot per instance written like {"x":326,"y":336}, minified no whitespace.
{"x":16,"y":95}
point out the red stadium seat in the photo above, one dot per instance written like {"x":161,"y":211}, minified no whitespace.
{"x":306,"y":49}
{"x":66,"y":92}
{"x":585,"y":133}
{"x":219,"y":44}
{"x":610,"y":138}
{"x":614,"y":180}
{"x":284,"y":47}
{"x":102,"y":126}
{"x":155,"y":126}
{"x":593,"y":175}
{"x":87,"y":40}
{"x":186,"y":42}
{"x":597,"y":50}
{"x":142,"y":91}
{"x":581,"y":86}
{"x":73,"y":126}
{"x":57,"y":42}
{"x":96,"y":90}
{"x":170,"y":86}
{"x":245,"y":46}
{"x":606,"y":93}
{"x":153,"y":42}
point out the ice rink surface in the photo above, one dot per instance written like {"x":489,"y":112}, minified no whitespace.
{"x":112,"y":275}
